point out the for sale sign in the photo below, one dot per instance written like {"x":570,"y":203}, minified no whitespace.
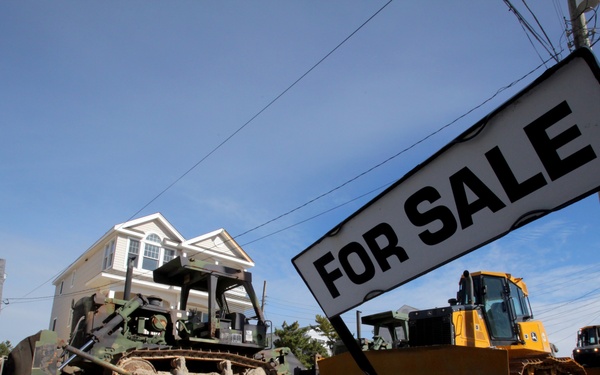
{"x":537,"y":153}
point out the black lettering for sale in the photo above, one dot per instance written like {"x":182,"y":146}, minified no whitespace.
{"x":426,"y":209}
{"x":485,"y":197}
{"x":438,"y":213}
{"x":368,"y":267}
{"x":328,"y":277}
{"x":514,"y":189}
{"x":547,"y":148}
{"x":391,"y":249}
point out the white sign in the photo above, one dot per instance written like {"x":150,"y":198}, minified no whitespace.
{"x":537,"y":153}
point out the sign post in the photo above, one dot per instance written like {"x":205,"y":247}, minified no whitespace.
{"x":537,"y":153}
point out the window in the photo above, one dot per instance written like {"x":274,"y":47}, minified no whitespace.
{"x":134,"y":249}
{"x":60,"y":289}
{"x":169,"y":255}
{"x":496,"y":309}
{"x":109,"y":253}
{"x":153,"y":238}
{"x":153,"y":256}
{"x":587,"y":336}
{"x":520,"y":303}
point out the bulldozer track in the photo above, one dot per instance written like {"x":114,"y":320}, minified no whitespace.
{"x":546,"y":366}
{"x":194,"y":357}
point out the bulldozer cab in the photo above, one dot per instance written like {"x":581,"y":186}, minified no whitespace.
{"x":227,"y":316}
{"x":588,"y":336}
{"x":587,"y":351}
{"x":503,"y":301}
{"x":390,"y":329}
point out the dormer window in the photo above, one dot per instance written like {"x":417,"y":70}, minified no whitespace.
{"x":153,"y":255}
{"x":151,"y":252}
{"x":153,"y":238}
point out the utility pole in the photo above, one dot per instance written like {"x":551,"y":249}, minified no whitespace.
{"x":579,"y":24}
{"x":2,"y":277}
{"x":264,"y":295}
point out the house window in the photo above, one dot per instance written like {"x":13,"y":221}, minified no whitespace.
{"x":134,"y":249}
{"x":109,"y":253}
{"x":153,"y":238}
{"x":153,"y":255}
{"x":60,"y":290}
{"x":169,"y":254}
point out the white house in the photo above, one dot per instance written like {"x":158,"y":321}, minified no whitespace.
{"x":153,"y":241}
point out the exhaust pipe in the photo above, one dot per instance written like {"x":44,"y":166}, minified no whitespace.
{"x":128,"y":278}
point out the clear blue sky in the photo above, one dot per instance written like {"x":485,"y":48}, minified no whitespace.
{"x":105,"y":104}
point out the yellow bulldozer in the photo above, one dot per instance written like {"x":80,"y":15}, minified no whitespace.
{"x":487,"y":329}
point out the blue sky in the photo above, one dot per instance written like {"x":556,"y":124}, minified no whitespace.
{"x":105,"y":104}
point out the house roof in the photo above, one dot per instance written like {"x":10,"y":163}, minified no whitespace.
{"x":218,"y":243}
{"x":146,"y":219}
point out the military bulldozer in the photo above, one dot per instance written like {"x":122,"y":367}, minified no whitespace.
{"x":140,"y":335}
{"x":487,"y":329}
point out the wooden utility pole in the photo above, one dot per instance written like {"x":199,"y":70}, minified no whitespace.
{"x":264,"y":295}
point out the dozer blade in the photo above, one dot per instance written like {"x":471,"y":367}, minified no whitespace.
{"x":439,"y":360}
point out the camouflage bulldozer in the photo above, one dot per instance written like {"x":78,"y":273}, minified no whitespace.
{"x":140,"y":335}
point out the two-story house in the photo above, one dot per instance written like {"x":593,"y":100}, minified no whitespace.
{"x":152,"y":241}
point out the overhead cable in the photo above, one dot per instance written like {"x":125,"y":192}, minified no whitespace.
{"x":263,"y":109}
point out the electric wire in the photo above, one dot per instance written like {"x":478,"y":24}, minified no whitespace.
{"x":563,"y":24}
{"x":394,"y":156}
{"x":592,"y":30}
{"x":541,"y":28}
{"x":584,"y":276}
{"x":238,"y":130}
{"x":530,"y":29}
{"x":318,"y":214}
{"x":16,"y":300}
{"x":365,"y":172}
{"x":558,"y":10}
{"x":263,"y":109}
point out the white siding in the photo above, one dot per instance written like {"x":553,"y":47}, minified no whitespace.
{"x":152,"y":227}
{"x":120,"y":263}
{"x":215,"y":246}
{"x":88,"y":269}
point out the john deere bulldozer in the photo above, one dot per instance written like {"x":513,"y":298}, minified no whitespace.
{"x":587,"y":351}
{"x":487,"y":329}
{"x":142,"y":336}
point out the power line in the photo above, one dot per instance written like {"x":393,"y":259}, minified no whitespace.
{"x":541,"y":28}
{"x":263,"y":109}
{"x":337,"y":187}
{"x":500,"y":90}
{"x":371,"y":169}
{"x":238,"y":130}
{"x":528,"y":28}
